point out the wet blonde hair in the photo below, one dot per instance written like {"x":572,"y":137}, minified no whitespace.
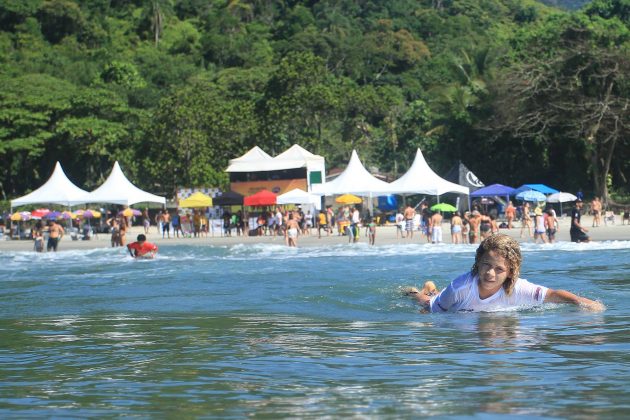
{"x":507,"y":248}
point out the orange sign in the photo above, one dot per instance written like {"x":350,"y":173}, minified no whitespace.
{"x":276,"y":187}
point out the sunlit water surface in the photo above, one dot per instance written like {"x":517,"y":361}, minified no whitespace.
{"x":267,"y":331}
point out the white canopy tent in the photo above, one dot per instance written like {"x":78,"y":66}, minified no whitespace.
{"x":355,"y":179}
{"x":117,"y":189}
{"x":57,"y":190}
{"x":256,"y":159}
{"x":420,"y":179}
{"x":298,"y":196}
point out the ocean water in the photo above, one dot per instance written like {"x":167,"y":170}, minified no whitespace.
{"x":265,"y":331}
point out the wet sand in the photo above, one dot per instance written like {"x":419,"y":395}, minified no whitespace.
{"x":385,"y":235}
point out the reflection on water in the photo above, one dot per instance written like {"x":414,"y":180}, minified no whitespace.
{"x":256,"y":331}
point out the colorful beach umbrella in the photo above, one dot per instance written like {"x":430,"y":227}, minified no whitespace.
{"x":39,"y":213}
{"x":128,"y":212}
{"x":21,"y":216}
{"x":443,"y":207}
{"x":53,"y":215}
{"x":348,"y":199}
{"x":67,"y":215}
{"x":531,"y":195}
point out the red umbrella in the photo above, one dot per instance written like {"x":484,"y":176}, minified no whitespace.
{"x":39,"y":213}
{"x":261,"y":198}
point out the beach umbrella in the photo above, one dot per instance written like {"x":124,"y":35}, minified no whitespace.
{"x":531,"y":195}
{"x":67,"y":215}
{"x":53,"y":215}
{"x":39,"y":213}
{"x":443,"y":207}
{"x":128,"y":212}
{"x":348,"y":199}
{"x":197,"y":199}
{"x":561,"y":197}
{"x":21,"y":216}
{"x":88,"y":214}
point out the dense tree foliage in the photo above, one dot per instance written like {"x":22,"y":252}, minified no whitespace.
{"x":173,"y":89}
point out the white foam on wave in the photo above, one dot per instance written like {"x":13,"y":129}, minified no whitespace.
{"x":279,"y":252}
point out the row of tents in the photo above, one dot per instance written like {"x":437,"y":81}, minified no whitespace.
{"x":116,"y":189}
{"x":355,"y":179}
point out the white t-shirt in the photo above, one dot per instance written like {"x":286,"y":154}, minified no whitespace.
{"x":463,"y":295}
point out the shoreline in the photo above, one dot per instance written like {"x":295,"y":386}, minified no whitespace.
{"x":385,"y":235}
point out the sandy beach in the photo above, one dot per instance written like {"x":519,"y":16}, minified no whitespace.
{"x":386,"y":235}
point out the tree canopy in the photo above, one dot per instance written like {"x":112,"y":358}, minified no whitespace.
{"x":518,"y":90}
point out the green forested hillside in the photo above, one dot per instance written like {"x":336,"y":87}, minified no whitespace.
{"x":173,"y":89}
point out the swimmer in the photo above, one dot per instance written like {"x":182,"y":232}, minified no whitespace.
{"x":141,"y":248}
{"x":493,"y":283}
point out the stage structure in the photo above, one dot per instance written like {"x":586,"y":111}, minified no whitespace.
{"x":256,"y":170}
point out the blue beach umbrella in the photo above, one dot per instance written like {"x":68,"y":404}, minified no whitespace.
{"x":531,"y":196}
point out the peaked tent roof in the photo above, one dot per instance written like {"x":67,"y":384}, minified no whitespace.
{"x":494,"y":189}
{"x":256,"y":160}
{"x":298,"y":153}
{"x":117,"y":189}
{"x":196,"y":199}
{"x":57,"y":190}
{"x":355,"y":179}
{"x":261,"y":198}
{"x":420,"y":179}
{"x":228,"y":198}
{"x":536,"y":187}
{"x":299,"y":196}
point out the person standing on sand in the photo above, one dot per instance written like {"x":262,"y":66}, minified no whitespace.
{"x":596,"y":211}
{"x":166,"y":224}
{"x":400,"y":224}
{"x":578,"y":232}
{"x":322,"y":223}
{"x":456,"y":228}
{"x":292,"y":231}
{"x":526,"y":220}
{"x":409,"y":215}
{"x":436,"y":227}
{"x":146,"y":221}
{"x":510,"y":214}
{"x":474,"y":221}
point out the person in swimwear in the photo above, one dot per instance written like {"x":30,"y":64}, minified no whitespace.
{"x":485,"y":225}
{"x":456,"y":228}
{"x":141,"y":248}
{"x":292,"y":230}
{"x":55,"y":233}
{"x":474,"y":222}
{"x":493,"y":283}
{"x":540,"y":229}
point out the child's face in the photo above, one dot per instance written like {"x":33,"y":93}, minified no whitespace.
{"x":493,"y":272}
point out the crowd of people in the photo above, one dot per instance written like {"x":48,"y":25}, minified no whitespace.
{"x":541,"y":225}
